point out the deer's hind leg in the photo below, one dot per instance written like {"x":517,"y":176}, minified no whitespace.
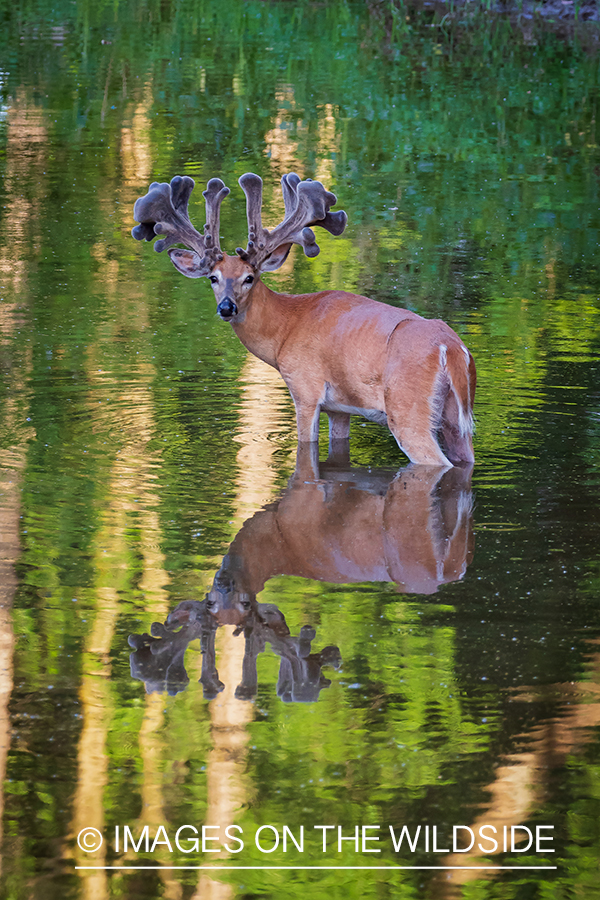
{"x":414,"y":406}
{"x":416,"y":436}
{"x":456,"y":424}
{"x":456,"y":438}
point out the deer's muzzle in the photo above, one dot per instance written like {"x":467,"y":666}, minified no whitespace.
{"x":227,"y":308}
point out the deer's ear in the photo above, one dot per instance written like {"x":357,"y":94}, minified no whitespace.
{"x":188,"y":263}
{"x":276,"y":259}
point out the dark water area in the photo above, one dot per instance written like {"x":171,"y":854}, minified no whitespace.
{"x":196,"y":627}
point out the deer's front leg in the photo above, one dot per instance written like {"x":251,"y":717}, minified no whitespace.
{"x":339,"y":426}
{"x":308,"y":393}
{"x":308,"y":409}
{"x":307,"y":463}
{"x":339,"y":439}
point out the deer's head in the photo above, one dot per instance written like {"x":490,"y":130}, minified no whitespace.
{"x":163,"y":211}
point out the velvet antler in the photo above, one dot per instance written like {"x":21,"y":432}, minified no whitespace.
{"x":307,"y":203}
{"x":164,"y":210}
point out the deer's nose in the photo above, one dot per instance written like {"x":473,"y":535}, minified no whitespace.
{"x":227,"y":308}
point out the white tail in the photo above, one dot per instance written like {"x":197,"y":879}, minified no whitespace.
{"x":339,"y":353}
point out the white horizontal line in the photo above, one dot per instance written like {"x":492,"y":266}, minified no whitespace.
{"x":329,"y":868}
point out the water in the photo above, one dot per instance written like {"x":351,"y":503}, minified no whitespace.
{"x":393,"y":649}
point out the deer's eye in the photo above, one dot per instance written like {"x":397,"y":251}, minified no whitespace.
{"x":248,"y":279}
{"x":213,"y":279}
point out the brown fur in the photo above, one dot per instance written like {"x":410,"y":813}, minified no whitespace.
{"x":342,"y":353}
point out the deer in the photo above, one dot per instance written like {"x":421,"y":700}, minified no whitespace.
{"x":338,"y":352}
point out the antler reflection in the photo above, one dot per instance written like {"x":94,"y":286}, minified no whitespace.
{"x":158,"y":657}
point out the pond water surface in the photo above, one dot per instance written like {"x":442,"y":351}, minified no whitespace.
{"x":407,"y":648}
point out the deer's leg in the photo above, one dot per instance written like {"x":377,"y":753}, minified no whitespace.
{"x":307,"y":463}
{"x":414,"y":424}
{"x":414,"y":395}
{"x":339,"y":426}
{"x":308,"y":394}
{"x":307,"y":417}
{"x":417,"y":439}
{"x":457,"y":440}
{"x":339,"y":439}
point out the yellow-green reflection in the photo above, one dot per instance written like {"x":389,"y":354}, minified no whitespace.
{"x":139,"y":441}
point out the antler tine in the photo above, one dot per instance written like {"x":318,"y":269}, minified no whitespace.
{"x":164,"y":210}
{"x":252,"y":186}
{"x":214,"y":195}
{"x":307,"y":203}
{"x":289,"y":185}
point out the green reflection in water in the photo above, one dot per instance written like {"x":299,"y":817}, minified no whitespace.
{"x":135,"y":443}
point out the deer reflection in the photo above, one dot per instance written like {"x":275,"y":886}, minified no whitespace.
{"x":342,"y":525}
{"x":333,"y":524}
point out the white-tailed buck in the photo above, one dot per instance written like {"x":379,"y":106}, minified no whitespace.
{"x":337,"y":352}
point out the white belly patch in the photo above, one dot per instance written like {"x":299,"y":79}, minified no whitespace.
{"x":374,"y":415}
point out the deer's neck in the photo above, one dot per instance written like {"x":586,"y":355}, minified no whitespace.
{"x":266,"y":323}
{"x":250,"y":570}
